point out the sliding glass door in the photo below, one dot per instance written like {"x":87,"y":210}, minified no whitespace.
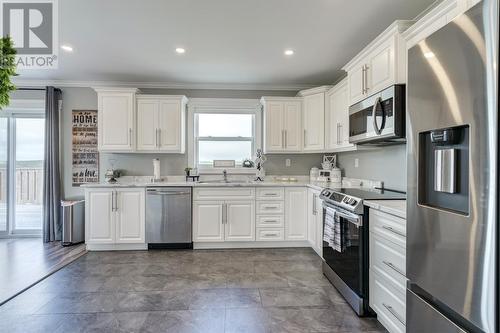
{"x":4,"y":152}
{"x":21,"y":172}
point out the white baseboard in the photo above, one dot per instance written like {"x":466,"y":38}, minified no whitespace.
{"x":248,"y":245}
{"x":116,"y":247}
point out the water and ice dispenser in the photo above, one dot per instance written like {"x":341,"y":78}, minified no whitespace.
{"x":444,"y":169}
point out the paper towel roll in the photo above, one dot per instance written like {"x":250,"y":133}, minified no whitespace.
{"x":156,"y":169}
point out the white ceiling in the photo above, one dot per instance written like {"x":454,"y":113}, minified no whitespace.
{"x":227,"y":42}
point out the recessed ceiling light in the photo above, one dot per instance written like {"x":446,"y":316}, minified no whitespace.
{"x":429,"y":54}
{"x":180,"y":50}
{"x":289,"y":52}
{"x":67,"y":48}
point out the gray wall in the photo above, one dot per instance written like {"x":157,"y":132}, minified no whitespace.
{"x":171,"y":164}
{"x":387,"y":164}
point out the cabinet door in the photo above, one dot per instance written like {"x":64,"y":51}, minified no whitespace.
{"x":355,"y":79}
{"x":273,"y":128}
{"x":314,"y":122}
{"x":240,"y":221}
{"x":147,"y":124}
{"x":99,"y":216}
{"x":207,"y":221}
{"x":293,"y":126}
{"x":333,"y":119}
{"x":311,"y":217}
{"x":296,"y":213}
{"x":381,"y":67}
{"x":171,"y":126}
{"x":130,"y":216}
{"x":319,"y":226}
{"x":116,"y":121}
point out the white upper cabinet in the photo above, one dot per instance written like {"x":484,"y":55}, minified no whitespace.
{"x":116,"y":119}
{"x":313,"y":117}
{"x":379,"y":65}
{"x":161,"y":123}
{"x":337,"y":118}
{"x":435,"y":19}
{"x":282,"y":124}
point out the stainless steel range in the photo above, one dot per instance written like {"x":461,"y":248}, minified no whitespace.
{"x":345,"y":241}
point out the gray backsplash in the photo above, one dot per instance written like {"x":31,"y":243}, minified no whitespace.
{"x":387,"y":164}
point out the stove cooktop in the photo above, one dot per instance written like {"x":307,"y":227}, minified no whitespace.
{"x":352,"y":198}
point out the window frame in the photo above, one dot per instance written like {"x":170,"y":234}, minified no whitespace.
{"x":198,"y":106}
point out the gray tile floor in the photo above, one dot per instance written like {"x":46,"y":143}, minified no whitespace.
{"x":264,"y":290}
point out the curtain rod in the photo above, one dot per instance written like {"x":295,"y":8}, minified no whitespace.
{"x":34,"y":89}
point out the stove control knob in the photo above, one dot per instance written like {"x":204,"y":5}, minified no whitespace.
{"x":353,"y":202}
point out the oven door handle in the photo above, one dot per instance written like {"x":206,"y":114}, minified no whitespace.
{"x":355,"y":219}
{"x":377,"y":129}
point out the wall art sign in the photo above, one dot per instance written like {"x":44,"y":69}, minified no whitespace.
{"x":85,"y":154}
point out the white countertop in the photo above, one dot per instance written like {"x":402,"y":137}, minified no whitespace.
{"x":299,"y":183}
{"x":394,"y":207}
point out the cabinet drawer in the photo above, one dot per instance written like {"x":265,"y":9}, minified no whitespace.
{"x":270,"y":207}
{"x":388,"y":226}
{"x":273,"y":193}
{"x":388,"y":259}
{"x":270,"y":234}
{"x":274,"y":221}
{"x":211,"y":193}
{"x":388,"y":303}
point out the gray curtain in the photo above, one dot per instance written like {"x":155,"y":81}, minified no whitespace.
{"x":51,"y":180}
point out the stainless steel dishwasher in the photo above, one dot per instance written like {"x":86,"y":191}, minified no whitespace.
{"x":168,"y":217}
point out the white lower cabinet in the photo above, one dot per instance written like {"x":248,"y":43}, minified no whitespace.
{"x":296,"y":213}
{"x":208,"y":221}
{"x":315,"y":221}
{"x":387,"y":269}
{"x":224,"y":220}
{"x":114,"y":216}
{"x":240,"y":221}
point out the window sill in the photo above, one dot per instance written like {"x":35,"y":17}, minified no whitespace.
{"x":230,"y":171}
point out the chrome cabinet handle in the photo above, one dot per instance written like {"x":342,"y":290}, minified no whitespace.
{"x":270,"y":207}
{"x":286,"y":139}
{"x":282,"y":138}
{"x":156,"y":138}
{"x":363,"y":80}
{"x":391,"y":265}
{"x":391,"y":229}
{"x":340,"y":133}
{"x":267,"y":234}
{"x":305,"y":137}
{"x":130,"y":137}
{"x":394,"y":313}
{"x":224,"y":213}
{"x":114,"y":205}
{"x":159,"y":137}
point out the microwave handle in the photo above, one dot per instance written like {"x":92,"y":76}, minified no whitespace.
{"x":377,"y":129}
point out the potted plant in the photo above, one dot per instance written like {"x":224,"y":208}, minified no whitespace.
{"x":7,"y":70}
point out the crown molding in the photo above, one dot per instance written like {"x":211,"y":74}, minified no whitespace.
{"x":159,"y":85}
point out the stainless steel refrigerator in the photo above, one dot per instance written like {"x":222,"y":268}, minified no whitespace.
{"x":452,"y":133}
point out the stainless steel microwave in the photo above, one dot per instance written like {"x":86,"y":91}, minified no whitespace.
{"x":380,"y":118}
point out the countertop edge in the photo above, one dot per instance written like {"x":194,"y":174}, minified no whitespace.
{"x":382,"y":206}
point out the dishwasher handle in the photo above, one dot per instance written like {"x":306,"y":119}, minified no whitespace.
{"x":158,"y":192}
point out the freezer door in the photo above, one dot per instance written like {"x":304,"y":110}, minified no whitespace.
{"x":421,"y":317}
{"x":452,"y":81}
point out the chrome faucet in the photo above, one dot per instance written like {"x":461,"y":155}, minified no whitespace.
{"x":224,"y":173}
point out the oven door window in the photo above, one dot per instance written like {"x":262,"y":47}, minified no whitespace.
{"x":348,"y":263}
